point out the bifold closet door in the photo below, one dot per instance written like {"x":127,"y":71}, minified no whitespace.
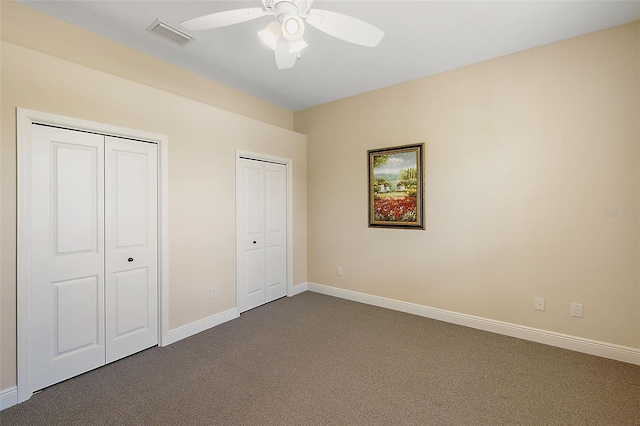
{"x":93,"y":251}
{"x":261,"y":232}
{"x":131,"y":198}
{"x":66,"y":297}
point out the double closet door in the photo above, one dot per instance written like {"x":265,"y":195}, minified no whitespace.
{"x":93,"y":295}
{"x":261,"y":233}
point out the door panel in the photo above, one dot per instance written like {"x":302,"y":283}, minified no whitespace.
{"x":253,"y":195}
{"x":255,"y":273}
{"x":275,"y":276}
{"x":76,"y":322}
{"x":131,"y":246}
{"x":66,"y":293}
{"x":261,"y":232}
{"x":75,"y":198}
{"x":130,"y":217}
{"x":132,"y":293}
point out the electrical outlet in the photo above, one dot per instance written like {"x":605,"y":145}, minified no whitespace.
{"x":339,"y":271}
{"x":576,"y":310}
{"x":214,"y":292}
{"x":538,"y":304}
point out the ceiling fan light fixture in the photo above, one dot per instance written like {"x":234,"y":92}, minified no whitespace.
{"x":284,"y":35}
{"x":297,"y":45}
{"x":271,"y":34}
{"x":292,"y":27}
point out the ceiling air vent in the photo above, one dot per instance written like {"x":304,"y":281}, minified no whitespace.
{"x":169,"y":32}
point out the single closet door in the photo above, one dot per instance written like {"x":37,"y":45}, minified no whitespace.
{"x":131,"y":239}
{"x":66,"y":297}
{"x":93,"y":207}
{"x":261,"y":214}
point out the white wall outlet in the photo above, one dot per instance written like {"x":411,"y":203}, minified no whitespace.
{"x":538,"y":303}
{"x":576,"y":310}
{"x":214,"y":292}
{"x":339,"y":271}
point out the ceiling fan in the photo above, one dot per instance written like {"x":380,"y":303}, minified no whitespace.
{"x":284,"y":35}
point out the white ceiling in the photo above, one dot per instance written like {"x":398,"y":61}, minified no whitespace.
{"x":422,"y":38}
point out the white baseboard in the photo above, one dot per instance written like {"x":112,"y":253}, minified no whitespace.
{"x":297,"y":289}
{"x":579,"y":344}
{"x":201,"y":325}
{"x":8,"y":397}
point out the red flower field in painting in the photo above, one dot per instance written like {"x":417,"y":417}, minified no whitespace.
{"x":395,"y":209}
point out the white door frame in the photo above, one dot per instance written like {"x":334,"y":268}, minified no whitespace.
{"x":248,"y":155}
{"x":25,"y":119}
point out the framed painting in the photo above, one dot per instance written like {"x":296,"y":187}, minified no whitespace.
{"x":395,"y":187}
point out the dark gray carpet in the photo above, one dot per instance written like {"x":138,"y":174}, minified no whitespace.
{"x":318,"y":360}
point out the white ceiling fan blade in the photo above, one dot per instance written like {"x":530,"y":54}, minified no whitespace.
{"x":224,"y":19}
{"x":285,"y":59}
{"x":345,"y":27}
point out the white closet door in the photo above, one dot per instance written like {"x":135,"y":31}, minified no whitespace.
{"x":275,"y":199}
{"x":131,"y":197}
{"x":261,"y":232}
{"x":250,"y":238}
{"x":66,"y":297}
{"x":93,"y":294}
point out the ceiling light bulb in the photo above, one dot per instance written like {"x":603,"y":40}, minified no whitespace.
{"x":271,"y":34}
{"x":292,"y":27}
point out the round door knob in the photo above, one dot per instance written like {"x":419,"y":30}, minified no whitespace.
{"x":130,"y":259}
{"x":254,"y":242}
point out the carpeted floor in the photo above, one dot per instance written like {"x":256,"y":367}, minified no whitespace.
{"x":318,"y":360}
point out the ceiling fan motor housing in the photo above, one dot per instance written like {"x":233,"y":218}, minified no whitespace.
{"x":281,"y":8}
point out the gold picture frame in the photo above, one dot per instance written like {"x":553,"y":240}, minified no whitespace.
{"x":396,"y":187}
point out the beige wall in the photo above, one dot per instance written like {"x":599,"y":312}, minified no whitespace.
{"x":523,"y":156}
{"x":202,"y":144}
